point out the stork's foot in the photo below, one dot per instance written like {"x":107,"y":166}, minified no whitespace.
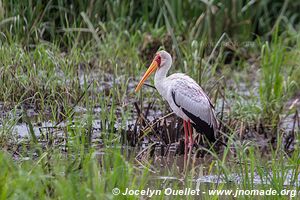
{"x":189,"y":147}
{"x":191,"y":144}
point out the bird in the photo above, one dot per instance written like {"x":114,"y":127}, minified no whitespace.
{"x":185,"y":97}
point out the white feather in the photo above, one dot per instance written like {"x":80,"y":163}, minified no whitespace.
{"x":188,"y":94}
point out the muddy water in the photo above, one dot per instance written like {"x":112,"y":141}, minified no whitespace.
{"x":160,"y":166}
{"x":289,"y":179}
{"x":170,"y":167}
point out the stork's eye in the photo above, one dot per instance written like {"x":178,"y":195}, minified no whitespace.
{"x":158,"y":59}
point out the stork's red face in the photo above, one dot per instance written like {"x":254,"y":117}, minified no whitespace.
{"x":154,"y":65}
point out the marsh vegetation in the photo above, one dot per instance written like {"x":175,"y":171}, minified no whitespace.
{"x":71,"y":126}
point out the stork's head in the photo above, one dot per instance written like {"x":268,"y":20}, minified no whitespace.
{"x":161,"y":60}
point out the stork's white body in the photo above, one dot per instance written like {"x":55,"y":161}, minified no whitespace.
{"x":187,"y":95}
{"x":165,"y":88}
{"x":190,"y":94}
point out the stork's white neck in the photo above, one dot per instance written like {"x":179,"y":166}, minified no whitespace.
{"x":160,"y":77}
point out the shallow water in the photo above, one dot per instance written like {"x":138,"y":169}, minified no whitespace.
{"x":289,"y":178}
{"x":162,"y":164}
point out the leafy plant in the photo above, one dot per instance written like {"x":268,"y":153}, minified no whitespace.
{"x":271,"y":90}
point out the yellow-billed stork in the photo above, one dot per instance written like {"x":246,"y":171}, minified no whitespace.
{"x":186,"y":98}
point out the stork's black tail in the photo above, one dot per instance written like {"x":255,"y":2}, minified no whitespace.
{"x":202,"y":127}
{"x":206,"y":130}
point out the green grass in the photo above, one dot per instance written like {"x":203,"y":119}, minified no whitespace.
{"x":272,"y":93}
{"x":61,"y":22}
{"x":66,"y":61}
{"x":84,"y":174}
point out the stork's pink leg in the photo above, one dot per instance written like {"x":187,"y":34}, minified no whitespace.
{"x":186,"y":139}
{"x":191,"y":134}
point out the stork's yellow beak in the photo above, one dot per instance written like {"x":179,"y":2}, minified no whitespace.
{"x":150,"y":70}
